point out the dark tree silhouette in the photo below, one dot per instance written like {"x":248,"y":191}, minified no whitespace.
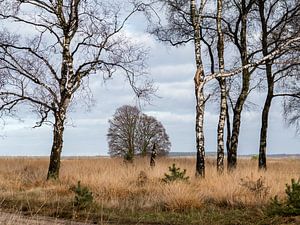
{"x":153,"y":156}
{"x":133,"y":133}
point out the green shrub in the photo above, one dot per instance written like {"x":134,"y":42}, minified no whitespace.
{"x":293,"y":194}
{"x":175,"y":174}
{"x":291,"y":206}
{"x":83,"y":196}
{"x":254,"y":157}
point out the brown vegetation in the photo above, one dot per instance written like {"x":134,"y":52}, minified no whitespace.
{"x":117,"y":185}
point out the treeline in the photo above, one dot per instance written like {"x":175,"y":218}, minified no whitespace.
{"x":49,"y":49}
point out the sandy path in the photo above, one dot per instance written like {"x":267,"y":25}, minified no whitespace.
{"x":18,"y":219}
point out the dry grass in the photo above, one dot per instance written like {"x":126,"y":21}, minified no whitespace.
{"x":116,"y":185}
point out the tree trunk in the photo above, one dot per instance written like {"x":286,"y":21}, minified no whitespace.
{"x":228,"y":126}
{"x":60,"y":115}
{"x":262,"y":162}
{"x":200,"y":108}
{"x":222,"y":84}
{"x":196,"y":18}
{"x":58,"y":130}
{"x":153,"y":156}
{"x":221,"y":126}
{"x":236,"y":124}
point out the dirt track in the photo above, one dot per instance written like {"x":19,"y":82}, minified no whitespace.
{"x":18,"y":219}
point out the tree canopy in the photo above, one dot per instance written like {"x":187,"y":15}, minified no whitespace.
{"x":132,"y":132}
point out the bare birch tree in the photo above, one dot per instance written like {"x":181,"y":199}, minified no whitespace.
{"x":274,"y":24}
{"x":223,"y":90}
{"x":184,"y":24}
{"x":64,"y":41}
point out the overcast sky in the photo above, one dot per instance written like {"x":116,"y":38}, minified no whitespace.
{"x":172,"y":70}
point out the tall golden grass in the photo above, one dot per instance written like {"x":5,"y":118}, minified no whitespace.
{"x":116,"y":184}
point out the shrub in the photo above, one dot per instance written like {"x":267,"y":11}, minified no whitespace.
{"x":257,"y":187}
{"x":83,"y":196}
{"x":293,"y":194}
{"x":254,"y":157}
{"x":292,"y":204}
{"x":175,"y":174}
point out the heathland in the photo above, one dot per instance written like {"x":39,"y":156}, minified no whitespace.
{"x":134,"y":193}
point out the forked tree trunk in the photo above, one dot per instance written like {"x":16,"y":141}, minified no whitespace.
{"x":58,"y":130}
{"x":232,"y":154}
{"x":236,"y":124}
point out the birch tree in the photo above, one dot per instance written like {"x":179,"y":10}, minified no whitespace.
{"x":274,"y":24}
{"x":63,"y":42}
{"x":223,"y":89}
{"x":184,"y":24}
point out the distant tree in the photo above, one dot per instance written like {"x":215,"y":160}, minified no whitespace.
{"x":150,"y":132}
{"x":122,"y":131}
{"x":133,"y":133}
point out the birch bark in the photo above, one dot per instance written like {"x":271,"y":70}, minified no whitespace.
{"x":223,"y":91}
{"x":196,"y":18}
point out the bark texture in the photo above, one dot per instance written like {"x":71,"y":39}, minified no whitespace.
{"x":223,"y":92}
{"x":199,"y":82}
{"x":200,"y":109}
{"x":58,"y":130}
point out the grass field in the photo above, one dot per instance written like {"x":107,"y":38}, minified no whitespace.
{"x":123,"y":194}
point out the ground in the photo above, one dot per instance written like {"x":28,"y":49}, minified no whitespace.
{"x":19,"y":219}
